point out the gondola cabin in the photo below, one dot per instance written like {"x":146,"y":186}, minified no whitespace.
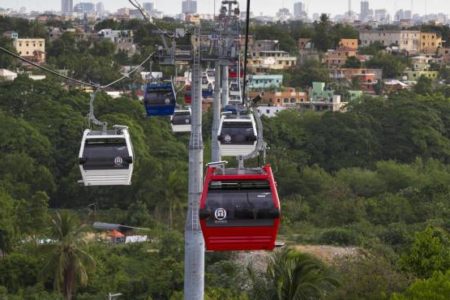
{"x":235,"y":89}
{"x":160,"y":98}
{"x":237,"y":135}
{"x":206,"y":93}
{"x":235,"y":72}
{"x":106,"y":158}
{"x":181,"y":121}
{"x":187,"y":95}
{"x":239,"y":209}
{"x":207,"y":86}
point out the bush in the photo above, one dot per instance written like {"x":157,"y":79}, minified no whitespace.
{"x":339,"y":236}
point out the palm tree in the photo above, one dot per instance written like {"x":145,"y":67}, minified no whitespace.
{"x":175,"y":188}
{"x":291,"y":275}
{"x":68,"y":262}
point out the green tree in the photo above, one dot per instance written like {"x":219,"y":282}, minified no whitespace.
{"x":430,"y":252}
{"x":18,"y":271}
{"x":424,"y":86}
{"x":293,"y":275}
{"x":322,"y":38}
{"x":308,"y":73}
{"x":391,"y":65}
{"x":32,"y":215}
{"x":437,"y":288}
{"x":7,"y":222}
{"x":368,"y":277}
{"x":6,"y":60}
{"x":352,"y":62}
{"x":175,"y":189}
{"x":372,"y":49}
{"x":68,"y":262}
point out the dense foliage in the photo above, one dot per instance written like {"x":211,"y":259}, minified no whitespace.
{"x":376,"y":178}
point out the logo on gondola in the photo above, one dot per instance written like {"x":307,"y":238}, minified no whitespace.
{"x":118,"y":161}
{"x":167,"y":100}
{"x":220,"y":214}
{"x":227,"y":138}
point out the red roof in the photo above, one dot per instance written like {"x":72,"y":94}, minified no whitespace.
{"x":116,"y":234}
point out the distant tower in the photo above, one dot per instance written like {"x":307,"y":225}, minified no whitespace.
{"x":349,"y":8}
{"x":100,"y":9}
{"x":148,"y":6}
{"x":189,"y":7}
{"x":66,"y":7}
{"x":299,"y":10}
{"x":365,"y":11}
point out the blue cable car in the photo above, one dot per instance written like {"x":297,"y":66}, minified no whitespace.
{"x":159,"y":98}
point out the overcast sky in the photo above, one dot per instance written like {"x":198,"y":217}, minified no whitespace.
{"x":267,"y":7}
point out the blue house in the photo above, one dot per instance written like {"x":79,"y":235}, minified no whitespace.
{"x":261,"y":82}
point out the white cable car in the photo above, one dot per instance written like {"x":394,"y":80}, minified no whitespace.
{"x":181,"y":120}
{"x":106,"y":157}
{"x":237,"y":135}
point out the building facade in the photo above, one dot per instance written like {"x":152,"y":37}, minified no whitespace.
{"x":430,"y":42}
{"x":321,"y":99}
{"x":414,"y":75}
{"x":265,"y":81}
{"x":32,"y":49}
{"x":405,"y":40}
{"x":264,"y":61}
{"x":349,"y":43}
{"x":123,"y":39}
{"x":337,"y":58}
{"x":288,"y":97}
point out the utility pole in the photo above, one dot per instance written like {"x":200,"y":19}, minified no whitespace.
{"x":194,"y":245}
{"x":225,"y":95}
{"x":215,"y":150}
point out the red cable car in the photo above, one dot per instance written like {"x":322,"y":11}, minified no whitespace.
{"x":239,"y":209}
{"x":233,"y":71}
{"x":187,"y":95}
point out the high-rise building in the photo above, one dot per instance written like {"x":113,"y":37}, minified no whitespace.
{"x":403,"y":15}
{"x":381,"y":15}
{"x":299,"y":10}
{"x":84,"y":7}
{"x":66,"y":7}
{"x":365,"y":12}
{"x":148,"y":6}
{"x":100,"y":9}
{"x":189,"y":7}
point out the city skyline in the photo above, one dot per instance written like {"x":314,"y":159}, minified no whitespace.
{"x":265,"y":7}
